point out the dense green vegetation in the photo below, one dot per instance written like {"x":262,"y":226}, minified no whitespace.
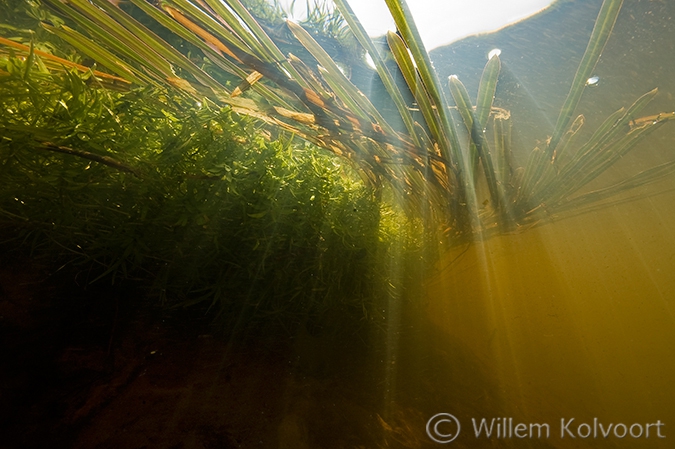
{"x":231,"y":158}
{"x":446,"y":153}
{"x":193,"y":202}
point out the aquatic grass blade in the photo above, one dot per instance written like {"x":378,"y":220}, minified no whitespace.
{"x":413,"y":41}
{"x":591,"y":154}
{"x":99,"y":54}
{"x":407,"y":67}
{"x":535,"y":160}
{"x":503,"y":159}
{"x":65,"y":62}
{"x":382,"y":70}
{"x":614,"y":126}
{"x":462,"y":100}
{"x":569,"y":139}
{"x":183,"y":32}
{"x":216,"y":57}
{"x":204,"y":20}
{"x":228,"y":18}
{"x":595,"y":151}
{"x":609,"y":11}
{"x":167,"y":52}
{"x":550,"y":170}
{"x":612,"y":154}
{"x":640,"y":179}
{"x":478,"y":141}
{"x":486,"y":90}
{"x":269,"y":46}
{"x":348,"y":93}
{"x":104,"y":27}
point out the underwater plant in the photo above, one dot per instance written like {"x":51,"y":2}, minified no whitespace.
{"x":165,"y":123}
{"x":431,"y":156}
{"x":190,"y":203}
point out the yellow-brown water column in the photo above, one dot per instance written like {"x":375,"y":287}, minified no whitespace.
{"x":573,"y":319}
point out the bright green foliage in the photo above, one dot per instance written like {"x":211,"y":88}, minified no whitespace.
{"x":427,"y":156}
{"x":191,"y":199}
{"x":165,"y":181}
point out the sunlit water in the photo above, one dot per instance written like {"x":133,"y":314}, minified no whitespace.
{"x":571,"y":319}
{"x":574,"y":318}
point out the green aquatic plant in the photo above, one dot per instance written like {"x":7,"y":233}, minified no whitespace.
{"x":180,"y":144}
{"x":433,"y":162}
{"x":192,"y":202}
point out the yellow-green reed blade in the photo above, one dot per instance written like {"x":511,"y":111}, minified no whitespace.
{"x":612,"y":154}
{"x":503,"y":159}
{"x":411,"y":75}
{"x":405,"y":24}
{"x":568,"y":139}
{"x":486,"y":90}
{"x":644,"y":177}
{"x":232,"y":45}
{"x":115,"y":36}
{"x":595,"y":151}
{"x":183,"y":32}
{"x":159,"y":46}
{"x":504,"y":167}
{"x":30,"y":60}
{"x":267,"y":44}
{"x":601,"y":32}
{"x":226,"y":64}
{"x":549,"y":170}
{"x":382,"y":70}
{"x":228,"y":19}
{"x":463,"y":103}
{"x":465,"y":109}
{"x":47,"y":61}
{"x":498,"y":162}
{"x":461,"y":97}
{"x":535,"y":160}
{"x":357,"y":102}
{"x":313,"y":82}
{"x":611,"y":129}
{"x":209,"y":23}
{"x":94,"y":51}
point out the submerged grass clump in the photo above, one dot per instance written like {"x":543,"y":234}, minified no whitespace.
{"x":436,"y":155}
{"x":191,"y":156}
{"x":193,"y":201}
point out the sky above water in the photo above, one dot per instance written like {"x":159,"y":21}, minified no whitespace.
{"x":441,"y":22}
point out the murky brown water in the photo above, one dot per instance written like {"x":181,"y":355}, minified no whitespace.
{"x":574,"y":319}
